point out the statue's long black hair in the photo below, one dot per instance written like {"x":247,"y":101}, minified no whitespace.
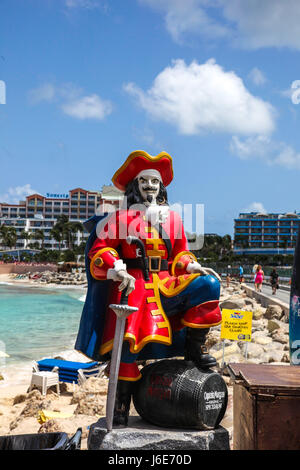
{"x":133,"y":195}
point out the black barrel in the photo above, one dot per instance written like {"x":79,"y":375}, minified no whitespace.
{"x":175,"y":393}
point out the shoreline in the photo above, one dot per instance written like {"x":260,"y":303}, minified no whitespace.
{"x":6,"y":279}
{"x":17,"y":375}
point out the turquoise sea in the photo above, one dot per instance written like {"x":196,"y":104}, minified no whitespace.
{"x":36,"y":322}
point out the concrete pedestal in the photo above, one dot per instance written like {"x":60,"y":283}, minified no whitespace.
{"x":140,"y":435}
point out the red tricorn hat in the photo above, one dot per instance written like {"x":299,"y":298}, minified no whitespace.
{"x":138,"y":161}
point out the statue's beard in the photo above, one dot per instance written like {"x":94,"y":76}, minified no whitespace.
{"x":149,"y":198}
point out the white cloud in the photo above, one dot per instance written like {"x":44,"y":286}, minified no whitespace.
{"x":204,"y":97}
{"x":14,"y":195}
{"x":72,"y":101}
{"x":257,"y":76}
{"x":255,"y":207}
{"x":264,"y":23}
{"x":187,"y":16}
{"x":88,"y":107}
{"x":269,"y":151}
{"x":88,"y":4}
{"x":45,"y":92}
{"x":248,"y":23}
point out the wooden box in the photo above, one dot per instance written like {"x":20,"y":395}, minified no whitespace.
{"x":266,"y":407}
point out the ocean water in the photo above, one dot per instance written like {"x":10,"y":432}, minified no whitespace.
{"x":37,"y":322}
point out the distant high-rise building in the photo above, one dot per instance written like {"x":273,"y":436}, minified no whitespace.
{"x":259,"y":233}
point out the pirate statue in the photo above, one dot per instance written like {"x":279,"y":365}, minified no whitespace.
{"x":142,"y":250}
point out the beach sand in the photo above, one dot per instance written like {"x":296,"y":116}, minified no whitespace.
{"x":19,"y":408}
{"x":19,"y":414}
{"x":16,"y":416}
{"x":10,"y":280}
{"x":16,"y":381}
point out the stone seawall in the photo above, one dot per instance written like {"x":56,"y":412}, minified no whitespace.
{"x":9,"y":268}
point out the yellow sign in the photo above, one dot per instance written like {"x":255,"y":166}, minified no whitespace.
{"x":236,"y":325}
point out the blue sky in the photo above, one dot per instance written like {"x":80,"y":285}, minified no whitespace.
{"x":210,"y":82}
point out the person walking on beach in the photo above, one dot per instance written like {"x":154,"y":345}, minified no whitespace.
{"x":254,"y":270}
{"x":241,"y":269}
{"x":259,"y":277}
{"x":274,"y":281}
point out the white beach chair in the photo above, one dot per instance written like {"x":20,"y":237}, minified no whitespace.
{"x":44,"y":379}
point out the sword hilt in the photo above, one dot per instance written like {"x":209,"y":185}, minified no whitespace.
{"x":124,"y":298}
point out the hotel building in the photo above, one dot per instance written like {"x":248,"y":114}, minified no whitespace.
{"x":257,"y":233}
{"x":39,"y":212}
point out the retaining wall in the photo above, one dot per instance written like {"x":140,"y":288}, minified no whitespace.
{"x":264,"y":299}
{"x":8,"y":268}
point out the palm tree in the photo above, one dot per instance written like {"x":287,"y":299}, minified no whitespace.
{"x":64,"y":230}
{"x":72,"y":228}
{"x":2,"y":234}
{"x":9,"y":236}
{"x":57,"y":235}
{"x":39,"y":235}
{"x":24,"y":235}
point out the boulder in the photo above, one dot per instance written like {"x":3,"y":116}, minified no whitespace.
{"x":276,"y":355}
{"x":263,"y":340}
{"x":258,"y":334}
{"x":259,"y":325}
{"x":280,"y":337}
{"x":258,"y":313}
{"x":273,"y":326}
{"x":234,"y":304}
{"x":232,"y":348}
{"x":274,"y":312}
{"x":254,"y":351}
{"x":250,"y":302}
{"x":273,"y":346}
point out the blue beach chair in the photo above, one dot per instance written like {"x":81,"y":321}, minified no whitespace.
{"x":72,"y":372}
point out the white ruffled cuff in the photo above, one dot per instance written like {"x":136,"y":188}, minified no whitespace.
{"x":112,"y":273}
{"x":193,"y":266}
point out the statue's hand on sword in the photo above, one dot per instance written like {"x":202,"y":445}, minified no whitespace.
{"x":127,"y":282}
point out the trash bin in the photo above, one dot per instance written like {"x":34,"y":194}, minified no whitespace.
{"x":266,"y":407}
{"x":43,"y":441}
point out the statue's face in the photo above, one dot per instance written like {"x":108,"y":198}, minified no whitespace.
{"x":149,"y":188}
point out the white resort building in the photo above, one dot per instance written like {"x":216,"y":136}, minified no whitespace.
{"x":39,"y":212}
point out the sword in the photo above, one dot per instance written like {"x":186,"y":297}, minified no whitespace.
{"x":122,"y":311}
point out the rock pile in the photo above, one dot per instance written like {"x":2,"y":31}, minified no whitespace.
{"x":85,"y":403}
{"x":270,"y":332}
{"x":91,"y":397}
{"x":49,"y":277}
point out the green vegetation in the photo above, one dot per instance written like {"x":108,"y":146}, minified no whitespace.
{"x":8,"y":237}
{"x":63,"y":232}
{"x":218,"y":249}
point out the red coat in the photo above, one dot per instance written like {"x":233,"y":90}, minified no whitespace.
{"x":150,"y":322}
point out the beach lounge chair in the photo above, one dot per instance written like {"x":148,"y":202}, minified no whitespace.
{"x":72,"y":372}
{"x":44,"y":379}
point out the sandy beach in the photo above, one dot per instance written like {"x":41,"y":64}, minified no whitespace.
{"x":10,"y":279}
{"x":80,"y":406}
{"x":16,"y":379}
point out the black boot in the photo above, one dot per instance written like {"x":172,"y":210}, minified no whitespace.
{"x":122,"y":403}
{"x":195,"y":349}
